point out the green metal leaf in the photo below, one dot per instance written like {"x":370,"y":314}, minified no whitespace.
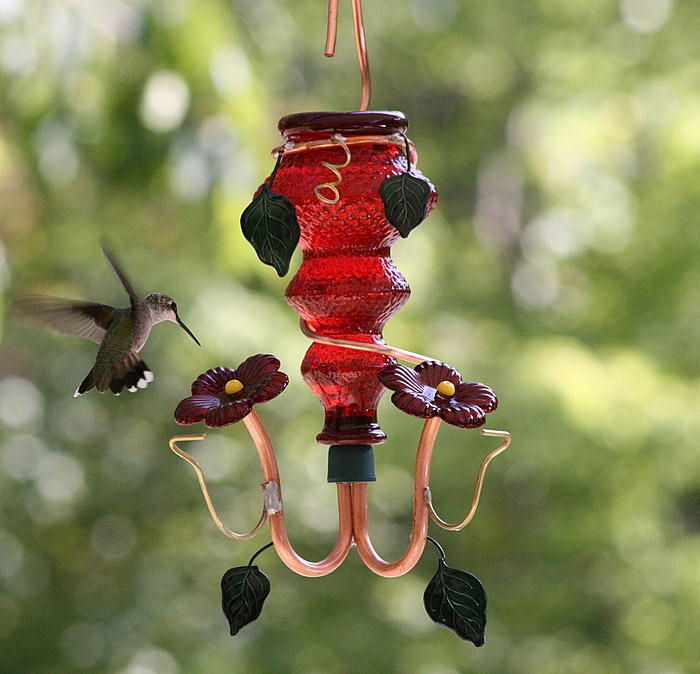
{"x":270,"y":224}
{"x":405,"y":200}
{"x":457,"y":600}
{"x":244,"y":590}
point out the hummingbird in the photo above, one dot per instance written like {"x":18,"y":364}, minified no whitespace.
{"x":120,"y":332}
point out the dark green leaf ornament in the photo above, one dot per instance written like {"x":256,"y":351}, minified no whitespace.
{"x":457,"y":600}
{"x":405,"y":199}
{"x":270,"y":224}
{"x":244,"y":590}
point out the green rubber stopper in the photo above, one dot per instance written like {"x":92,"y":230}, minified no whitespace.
{"x":351,"y":463}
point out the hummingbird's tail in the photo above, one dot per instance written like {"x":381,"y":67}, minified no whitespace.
{"x":131,"y":374}
{"x":87,"y":384}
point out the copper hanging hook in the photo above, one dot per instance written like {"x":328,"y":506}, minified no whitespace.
{"x":505,"y":436}
{"x":360,"y":44}
{"x":205,"y":490}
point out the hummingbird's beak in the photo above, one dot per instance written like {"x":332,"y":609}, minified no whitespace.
{"x":186,"y":329}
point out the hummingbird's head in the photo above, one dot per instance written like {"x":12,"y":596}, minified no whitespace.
{"x":164,"y":308}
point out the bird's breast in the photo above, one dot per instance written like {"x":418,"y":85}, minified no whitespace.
{"x":141,"y":334}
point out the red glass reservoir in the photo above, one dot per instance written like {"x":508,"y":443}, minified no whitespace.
{"x":347,"y":285}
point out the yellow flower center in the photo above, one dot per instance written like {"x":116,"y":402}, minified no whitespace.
{"x":446,"y":388}
{"x":233,"y":386}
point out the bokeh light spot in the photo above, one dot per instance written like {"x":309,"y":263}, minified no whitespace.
{"x":166,"y":98}
{"x":21,"y":404}
{"x":646,"y":16}
{"x":60,"y":477}
{"x":113,"y":537}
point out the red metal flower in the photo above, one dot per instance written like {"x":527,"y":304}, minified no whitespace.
{"x":223,"y":396}
{"x":435,"y":389}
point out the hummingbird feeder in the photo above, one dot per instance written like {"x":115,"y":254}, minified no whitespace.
{"x":345,"y":188}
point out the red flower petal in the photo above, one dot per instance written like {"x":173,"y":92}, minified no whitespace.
{"x":464,"y":416}
{"x":268,"y":388}
{"x":415,"y":393}
{"x":474,"y":393}
{"x":227,"y":413}
{"x":401,"y":378}
{"x":213,"y":381}
{"x":193,"y":409}
{"x":415,"y":405}
{"x":254,"y":368}
{"x":261,"y":381}
{"x":432,"y":372}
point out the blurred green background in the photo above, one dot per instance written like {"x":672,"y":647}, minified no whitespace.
{"x":562,"y":268}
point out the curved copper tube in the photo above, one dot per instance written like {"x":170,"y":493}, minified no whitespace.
{"x":419,"y":530}
{"x":205,"y":490}
{"x":360,"y":45}
{"x":384,"y":349}
{"x":283,"y":547}
{"x":477,"y":488}
{"x":362,"y":57}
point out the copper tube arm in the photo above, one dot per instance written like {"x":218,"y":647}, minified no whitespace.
{"x":283,"y":547}
{"x":273,"y":508}
{"x":360,"y":45}
{"x":419,"y":530}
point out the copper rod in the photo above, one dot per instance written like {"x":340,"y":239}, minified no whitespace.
{"x":362,"y":57}
{"x":360,"y":45}
{"x":419,"y":530}
{"x":332,"y":28}
{"x":205,"y":490}
{"x":479,"y":483}
{"x":283,"y":547}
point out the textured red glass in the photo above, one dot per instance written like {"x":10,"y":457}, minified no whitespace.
{"x":347,"y":285}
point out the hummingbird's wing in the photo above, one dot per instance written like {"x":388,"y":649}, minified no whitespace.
{"x":133,"y":297}
{"x":70,"y":317}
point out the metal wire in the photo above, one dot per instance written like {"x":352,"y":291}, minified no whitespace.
{"x":477,"y":488}
{"x":207,"y":495}
{"x":334,"y":168}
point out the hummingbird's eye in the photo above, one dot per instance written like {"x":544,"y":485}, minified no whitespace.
{"x":173,"y":306}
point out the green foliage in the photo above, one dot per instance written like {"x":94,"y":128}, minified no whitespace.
{"x":457,"y":600}
{"x":244,"y":590}
{"x":270,"y":224}
{"x":405,"y":200}
{"x":561,"y":267}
